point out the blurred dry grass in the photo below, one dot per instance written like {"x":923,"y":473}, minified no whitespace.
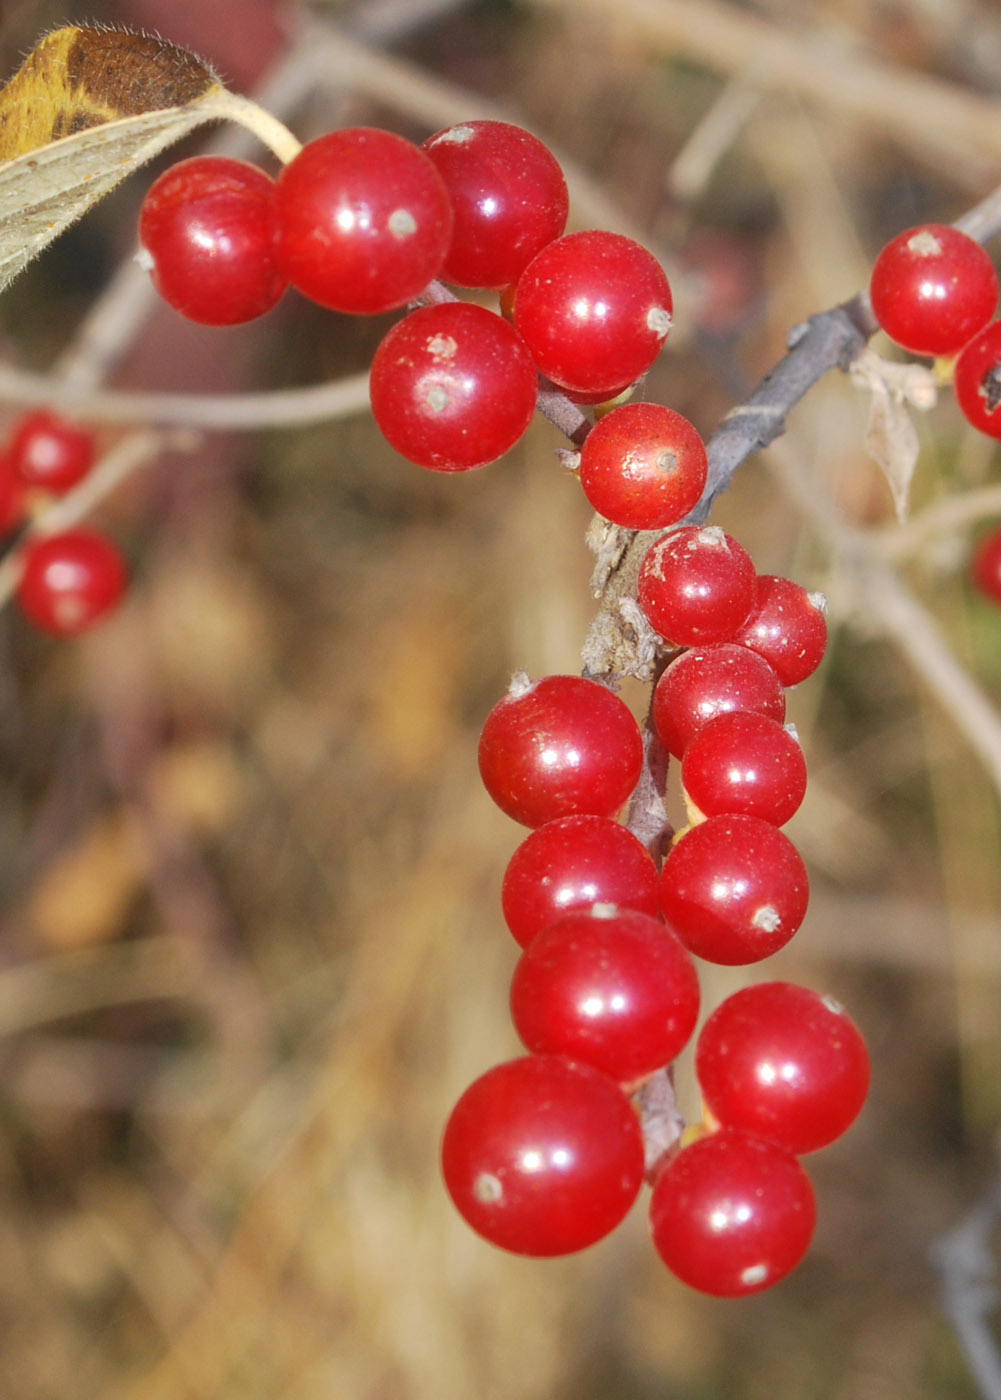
{"x":251,"y":940}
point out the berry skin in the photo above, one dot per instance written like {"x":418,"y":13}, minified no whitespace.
{"x":787,"y":628}
{"x":697,"y":586}
{"x":206,"y":235}
{"x":745,"y":763}
{"x":11,"y":496}
{"x":987,"y":566}
{"x":49,"y":453}
{"x":362,"y":221}
{"x":643,"y":466}
{"x":708,"y":681}
{"x":543,"y":1156}
{"x":932,"y":289}
{"x":609,"y":987}
{"x":594,"y":309}
{"x":70,"y":581}
{"x":976,"y":380}
{"x":452,"y":387}
{"x":783,"y":1063}
{"x":732,"y":1214}
{"x":558,"y":746}
{"x":508,"y":196}
{"x":734,"y":889}
{"x":572,"y":863}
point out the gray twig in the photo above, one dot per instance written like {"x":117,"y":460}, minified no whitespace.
{"x":967,"y":1273}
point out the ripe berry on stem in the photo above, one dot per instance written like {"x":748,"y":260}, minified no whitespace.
{"x":452,"y":387}
{"x":572,"y":863}
{"x":70,"y":581}
{"x":787,"y":628}
{"x":784,"y":1063}
{"x":743,"y":762}
{"x":50,"y":453}
{"x":708,"y":681}
{"x":932,"y":289}
{"x":697,"y":586}
{"x":557,"y":746}
{"x":594,"y":309}
{"x":206,"y":235}
{"x":509,"y":199}
{"x":643,"y":466}
{"x":976,"y":380}
{"x":734,"y":889}
{"x":609,"y":987}
{"x":543,"y":1156}
{"x":362,"y":221}
{"x":732,"y":1214}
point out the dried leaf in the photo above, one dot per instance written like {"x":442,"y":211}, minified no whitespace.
{"x":85,"y":109}
{"x":891,"y":439}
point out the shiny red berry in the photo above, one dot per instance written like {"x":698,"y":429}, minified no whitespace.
{"x":594,"y":309}
{"x":508,"y":196}
{"x":362,"y":220}
{"x":206,"y":234}
{"x":746,"y":763}
{"x":11,"y":496}
{"x":70,"y":581}
{"x":708,"y":681}
{"x":50,"y":453}
{"x":732,"y":1214}
{"x":557,"y":746}
{"x":609,"y":987}
{"x":784,"y":1063}
{"x":787,"y":628}
{"x":643,"y":466}
{"x":976,"y":380}
{"x":572,"y":863}
{"x":734,"y":889}
{"x":932,"y":289}
{"x":543,"y":1156}
{"x":697,"y":586}
{"x":452,"y":386}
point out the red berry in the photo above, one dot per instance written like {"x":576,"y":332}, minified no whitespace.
{"x":572,"y":863}
{"x":732,"y":1214}
{"x":976,"y":380}
{"x":543,"y":1156}
{"x":783,"y":1063}
{"x":697,"y":586}
{"x":932,"y":288}
{"x":594,"y":309}
{"x":70,"y":581}
{"x":11,"y":496}
{"x":734,"y":889}
{"x":362,"y":220}
{"x":50,"y":453}
{"x":452,"y":386}
{"x":508,"y":196}
{"x":643,"y":466}
{"x":557,"y":746}
{"x":609,"y":987}
{"x":708,"y":681}
{"x":742,"y":762}
{"x":787,"y":628}
{"x":206,"y":235}
{"x":987,"y":566}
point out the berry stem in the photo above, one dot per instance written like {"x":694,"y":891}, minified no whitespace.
{"x":267,"y":128}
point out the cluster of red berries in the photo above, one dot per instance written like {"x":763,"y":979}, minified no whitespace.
{"x":546,"y":1154}
{"x":71,"y":579}
{"x":361,"y":221}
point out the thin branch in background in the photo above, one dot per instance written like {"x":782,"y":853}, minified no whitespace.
{"x":967,"y":1272}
